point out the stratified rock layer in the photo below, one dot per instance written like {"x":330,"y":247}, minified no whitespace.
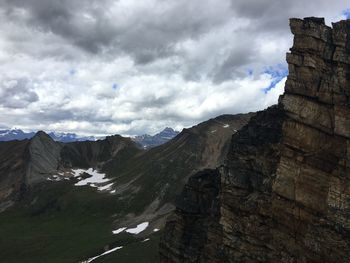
{"x":284,"y":192}
{"x":238,"y":189}
{"x":195,"y":217}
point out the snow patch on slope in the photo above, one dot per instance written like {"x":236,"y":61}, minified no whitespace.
{"x":119,"y":230}
{"x":96,"y":177}
{"x":137,"y":230}
{"x":105,"y":253}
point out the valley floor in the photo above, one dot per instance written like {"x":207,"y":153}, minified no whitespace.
{"x":70,"y":226}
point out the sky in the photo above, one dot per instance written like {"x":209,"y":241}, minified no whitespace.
{"x":97,"y":67}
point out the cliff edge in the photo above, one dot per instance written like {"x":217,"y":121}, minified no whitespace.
{"x":283,"y":194}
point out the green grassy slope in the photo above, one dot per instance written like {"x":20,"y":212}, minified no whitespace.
{"x":63,"y":223}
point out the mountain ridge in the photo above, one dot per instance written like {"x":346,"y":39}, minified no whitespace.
{"x":145,"y":141}
{"x":18,"y":134}
{"x":98,"y":188}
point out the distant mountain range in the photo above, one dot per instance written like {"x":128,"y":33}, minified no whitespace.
{"x":17,"y":134}
{"x":145,"y":141}
{"x":148,"y":141}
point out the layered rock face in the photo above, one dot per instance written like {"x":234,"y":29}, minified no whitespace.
{"x":194,"y":221}
{"x":284,"y":191}
{"x":312,"y":182}
{"x":240,"y":188}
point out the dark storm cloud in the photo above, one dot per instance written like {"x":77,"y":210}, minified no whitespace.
{"x":152,"y":101}
{"x":231,"y":67}
{"x":257,"y":9}
{"x":49,"y":114}
{"x":151,"y":32}
{"x":66,"y":19}
{"x":146,"y":34}
{"x":54,"y":115}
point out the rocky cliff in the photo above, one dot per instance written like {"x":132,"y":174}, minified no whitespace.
{"x":43,"y":156}
{"x":283,"y":193}
{"x":24,"y":163}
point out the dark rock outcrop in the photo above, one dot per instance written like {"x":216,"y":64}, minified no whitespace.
{"x":238,"y":184}
{"x":284,"y":191}
{"x":195,"y":219}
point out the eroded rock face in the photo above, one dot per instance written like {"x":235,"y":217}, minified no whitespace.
{"x":284,"y":192}
{"x":43,"y":158}
{"x":242,"y":188}
{"x":311,"y":186}
{"x":194,"y":221}
{"x":25,"y":163}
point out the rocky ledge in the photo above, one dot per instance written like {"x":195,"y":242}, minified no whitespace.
{"x":283,"y":194}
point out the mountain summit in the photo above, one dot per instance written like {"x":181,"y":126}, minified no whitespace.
{"x":148,"y":141}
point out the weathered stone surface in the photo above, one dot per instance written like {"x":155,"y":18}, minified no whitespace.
{"x":195,"y":221}
{"x":284,"y":192}
{"x":341,"y":33}
{"x":310,"y":112}
{"x":193,"y":234}
{"x":44,"y":155}
{"x":342,"y":124}
{"x":24,"y":163}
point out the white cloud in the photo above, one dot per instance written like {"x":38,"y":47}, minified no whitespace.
{"x":173,"y":63}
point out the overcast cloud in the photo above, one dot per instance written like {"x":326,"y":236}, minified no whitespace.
{"x":131,"y":67}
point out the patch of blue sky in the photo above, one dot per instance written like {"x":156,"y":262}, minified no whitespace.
{"x":72,"y":72}
{"x":346,"y":13}
{"x":277,"y":73}
{"x":250,"y":72}
{"x":115,"y":86}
